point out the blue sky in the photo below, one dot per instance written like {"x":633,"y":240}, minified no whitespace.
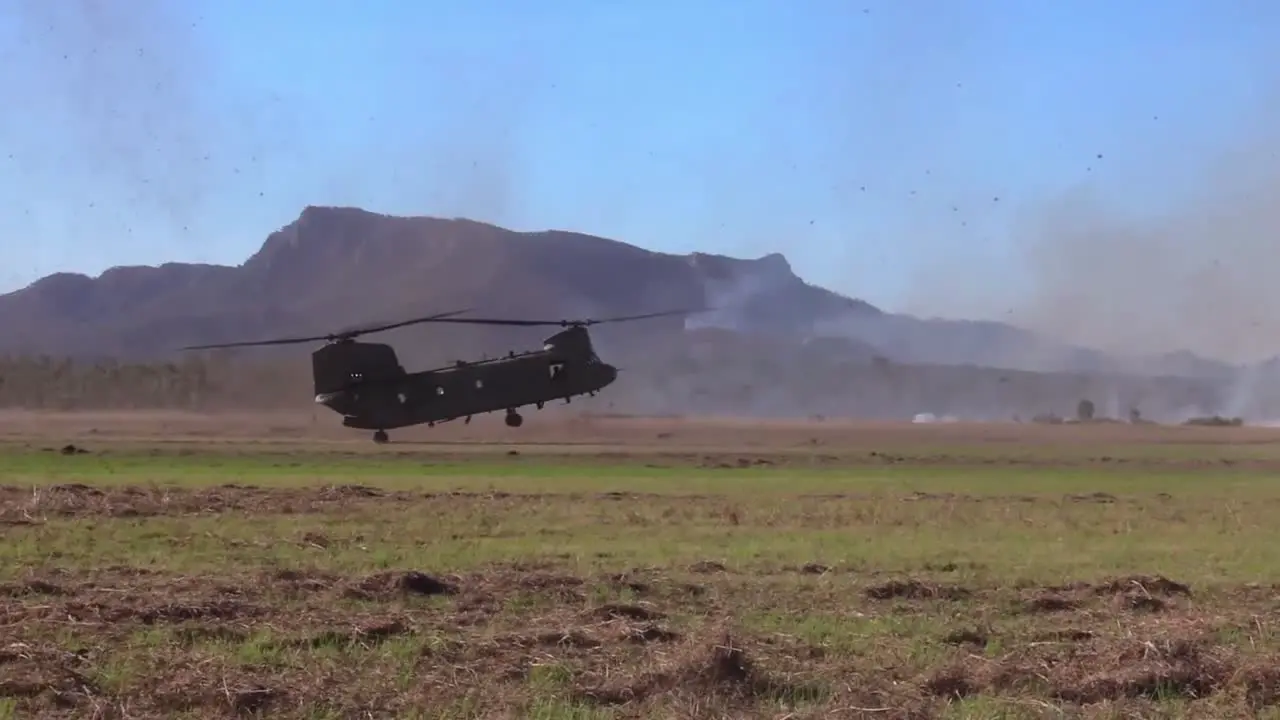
{"x":880,"y":145}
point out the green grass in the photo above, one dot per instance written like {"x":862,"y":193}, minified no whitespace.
{"x":559,"y":474}
{"x":1005,"y":522}
{"x":1004,"y":533}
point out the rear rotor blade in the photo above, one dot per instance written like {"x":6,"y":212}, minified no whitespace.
{"x":561,"y":323}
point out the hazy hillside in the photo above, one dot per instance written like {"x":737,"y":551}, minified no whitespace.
{"x":774,"y":344}
{"x":334,"y":267}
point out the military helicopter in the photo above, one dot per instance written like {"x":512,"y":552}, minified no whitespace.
{"x":365,"y":383}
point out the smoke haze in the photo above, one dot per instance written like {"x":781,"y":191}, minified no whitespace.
{"x":1198,"y":277}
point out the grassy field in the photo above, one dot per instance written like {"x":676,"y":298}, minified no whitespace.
{"x":645,"y":571}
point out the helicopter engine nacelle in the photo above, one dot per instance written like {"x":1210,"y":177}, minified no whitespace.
{"x":571,"y":344}
{"x":339,"y":366}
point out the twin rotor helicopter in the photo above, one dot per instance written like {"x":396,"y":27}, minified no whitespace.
{"x":365,"y":383}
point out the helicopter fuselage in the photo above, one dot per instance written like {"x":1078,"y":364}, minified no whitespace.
{"x":384,"y":398}
{"x":365,"y":383}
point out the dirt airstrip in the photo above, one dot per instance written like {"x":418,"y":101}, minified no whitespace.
{"x":331,"y":621}
{"x":322,"y":429}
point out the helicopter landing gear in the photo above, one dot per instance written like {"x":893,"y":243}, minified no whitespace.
{"x":514,"y":419}
{"x":381,"y":438}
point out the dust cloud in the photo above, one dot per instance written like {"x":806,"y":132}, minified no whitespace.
{"x":1199,"y":277}
{"x":112,"y":95}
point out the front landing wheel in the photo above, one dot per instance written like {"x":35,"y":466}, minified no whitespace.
{"x":381,"y":438}
{"x":514,"y":419}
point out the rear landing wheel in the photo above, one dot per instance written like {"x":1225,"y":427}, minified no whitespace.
{"x":380,"y":437}
{"x":514,"y":419}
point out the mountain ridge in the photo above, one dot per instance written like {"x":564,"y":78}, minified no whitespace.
{"x":334,"y":267}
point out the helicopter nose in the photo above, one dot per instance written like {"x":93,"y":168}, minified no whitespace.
{"x":608,"y":373}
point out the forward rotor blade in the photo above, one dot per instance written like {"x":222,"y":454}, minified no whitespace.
{"x":345,"y":334}
{"x":258,"y":343}
{"x":366,"y":329}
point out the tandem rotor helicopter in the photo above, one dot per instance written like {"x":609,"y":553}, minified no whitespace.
{"x":365,"y":383}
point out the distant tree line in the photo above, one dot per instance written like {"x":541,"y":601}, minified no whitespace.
{"x":194,"y":383}
{"x":672,"y":383}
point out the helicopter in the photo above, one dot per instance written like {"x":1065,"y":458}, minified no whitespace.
{"x":365,"y":383}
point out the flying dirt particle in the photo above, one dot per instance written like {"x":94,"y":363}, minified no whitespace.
{"x":707,"y":567}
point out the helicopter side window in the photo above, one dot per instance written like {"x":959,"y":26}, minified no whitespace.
{"x":557,"y":370}
{"x":479,"y":384}
{"x":439,"y":390}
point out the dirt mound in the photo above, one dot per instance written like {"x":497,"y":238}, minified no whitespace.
{"x":1134,"y":593}
{"x":1158,"y":670}
{"x":367,"y":635}
{"x":27,"y":505}
{"x":1186,"y":668}
{"x":722,"y":671}
{"x":614,"y":611}
{"x":162,"y":611}
{"x":1148,"y":585}
{"x":1050,"y":603}
{"x":34,"y":586}
{"x":916,"y":590}
{"x":386,"y":585}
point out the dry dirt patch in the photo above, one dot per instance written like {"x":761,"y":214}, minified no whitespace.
{"x":20,"y":505}
{"x":502,"y":639}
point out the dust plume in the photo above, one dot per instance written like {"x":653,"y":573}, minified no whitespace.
{"x":110,"y":92}
{"x":454,"y":141}
{"x":1199,"y":277}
